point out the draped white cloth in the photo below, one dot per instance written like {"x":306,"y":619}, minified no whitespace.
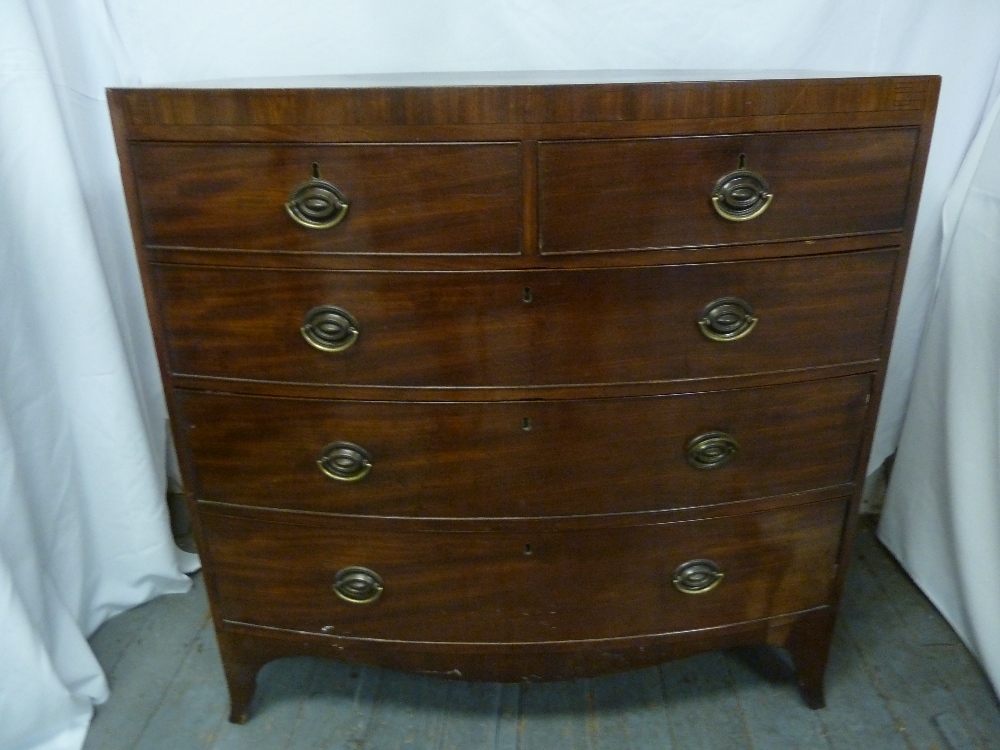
{"x":83,"y":529}
{"x":83,"y":532}
{"x":942,"y":515}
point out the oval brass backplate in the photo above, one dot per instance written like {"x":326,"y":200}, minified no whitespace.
{"x":317,"y":204}
{"x":741,"y":195}
{"x":358,"y":585}
{"x":697,"y":576}
{"x":345,"y":462}
{"x":711,"y":450}
{"x":329,"y":328}
{"x":727,"y":319}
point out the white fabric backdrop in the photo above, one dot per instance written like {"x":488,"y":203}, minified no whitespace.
{"x":83,"y":531}
{"x":942,"y":516}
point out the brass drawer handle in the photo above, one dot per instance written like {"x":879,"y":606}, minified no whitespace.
{"x":711,"y":450}
{"x":345,"y":462}
{"x":317,"y":204}
{"x":330,"y":328}
{"x":697,"y":576}
{"x":358,"y":585}
{"x":741,"y":195}
{"x":727,"y":319}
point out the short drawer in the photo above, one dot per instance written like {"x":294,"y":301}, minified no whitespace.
{"x":521,"y":585}
{"x":526,"y":458}
{"x":525,"y":328}
{"x":657,"y":192}
{"x":401,"y":198}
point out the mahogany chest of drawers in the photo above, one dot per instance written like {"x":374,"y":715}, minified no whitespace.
{"x":524,"y":380}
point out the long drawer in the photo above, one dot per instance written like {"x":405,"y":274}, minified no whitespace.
{"x":525,"y":458}
{"x":657,"y":192}
{"x":526,"y":328}
{"x":400,"y":198}
{"x":521,"y":585}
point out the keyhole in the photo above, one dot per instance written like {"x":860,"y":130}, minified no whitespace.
{"x":527,"y":296}
{"x":315,"y":168}
{"x":743,"y":161}
{"x":527,"y":425}
{"x":528,"y":550}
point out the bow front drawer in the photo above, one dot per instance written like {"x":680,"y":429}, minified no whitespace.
{"x":526,"y":328}
{"x":522,"y":584}
{"x":526,"y":458}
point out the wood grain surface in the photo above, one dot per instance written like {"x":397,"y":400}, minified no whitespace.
{"x":472,"y":330}
{"x":510,"y":587}
{"x":403,"y":198}
{"x":599,"y":195}
{"x":526,"y":458}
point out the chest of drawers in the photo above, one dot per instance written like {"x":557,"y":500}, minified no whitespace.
{"x":523,"y":380}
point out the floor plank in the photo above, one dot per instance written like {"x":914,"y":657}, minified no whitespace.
{"x":285,"y":687}
{"x":193,"y":709}
{"x":856,"y":716}
{"x":936,"y":645}
{"x":114,"y":638}
{"x":629,"y":713}
{"x":556,"y":716}
{"x":140,"y":673}
{"x":339,"y":708}
{"x":775,"y":716}
{"x":471,"y":717}
{"x":701,"y":704}
{"x":892,"y":631}
{"x":508,"y":718}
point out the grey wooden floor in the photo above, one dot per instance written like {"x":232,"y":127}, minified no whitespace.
{"x":898,"y":678}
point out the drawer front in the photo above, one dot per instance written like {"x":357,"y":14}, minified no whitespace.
{"x":524,"y":328}
{"x":522,"y":586}
{"x":402,"y":198}
{"x":526,"y":458}
{"x":656,"y":192}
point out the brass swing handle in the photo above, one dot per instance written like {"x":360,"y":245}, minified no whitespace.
{"x":697,"y":576}
{"x":317,"y":204}
{"x":358,"y":585}
{"x":330,"y":328}
{"x":711,"y":450}
{"x":727,"y":319}
{"x":741,"y":195}
{"x":345,"y":462}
